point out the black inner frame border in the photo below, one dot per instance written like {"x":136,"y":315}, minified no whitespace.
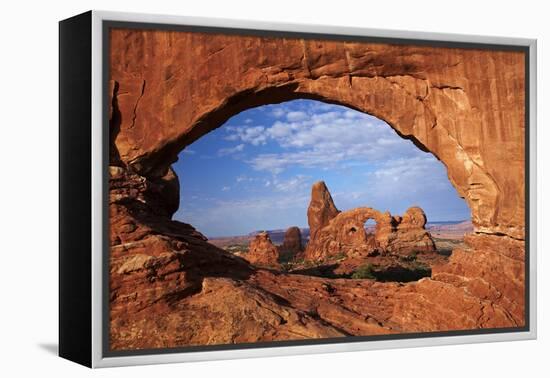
{"x":107,"y":25}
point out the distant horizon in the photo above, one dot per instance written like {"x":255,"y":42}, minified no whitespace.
{"x":307,"y":227}
{"x":256,"y":171}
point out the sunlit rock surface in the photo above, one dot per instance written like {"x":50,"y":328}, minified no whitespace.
{"x":170,"y":287}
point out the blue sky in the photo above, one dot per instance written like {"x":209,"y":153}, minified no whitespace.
{"x":255,"y":172}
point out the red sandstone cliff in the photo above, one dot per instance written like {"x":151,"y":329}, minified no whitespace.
{"x":170,"y":287}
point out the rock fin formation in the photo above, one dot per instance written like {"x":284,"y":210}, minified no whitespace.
{"x":321,"y":208}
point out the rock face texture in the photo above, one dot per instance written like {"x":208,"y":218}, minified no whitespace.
{"x":262,"y":252}
{"x":321,"y":209}
{"x":411,"y":235}
{"x":344,"y":233}
{"x":170,"y":287}
{"x":292,"y":243}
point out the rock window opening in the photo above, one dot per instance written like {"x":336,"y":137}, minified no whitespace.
{"x":267,"y":199}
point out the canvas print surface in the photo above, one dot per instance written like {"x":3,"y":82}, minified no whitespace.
{"x":285,"y":188}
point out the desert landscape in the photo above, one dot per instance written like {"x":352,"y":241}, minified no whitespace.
{"x":339,"y":245}
{"x":171,"y":286}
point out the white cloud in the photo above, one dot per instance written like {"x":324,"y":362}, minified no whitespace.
{"x":189,"y":152}
{"x":352,"y":114}
{"x":386,"y":171}
{"x":393,"y":185}
{"x":279,"y":130}
{"x":254,"y":135}
{"x":231,"y":150}
{"x":276,"y":163}
{"x":295,"y":116}
{"x":232,"y":137}
{"x":293,"y":184}
{"x":385,"y":141}
{"x":419,"y":174}
{"x":399,"y":183}
{"x":278,"y":112}
{"x":323,"y":136}
{"x":321,"y":106}
{"x":241,"y":216}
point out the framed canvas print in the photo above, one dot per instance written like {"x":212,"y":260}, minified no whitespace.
{"x":233,"y":189}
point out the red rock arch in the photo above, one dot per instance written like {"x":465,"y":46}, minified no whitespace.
{"x":465,"y":106}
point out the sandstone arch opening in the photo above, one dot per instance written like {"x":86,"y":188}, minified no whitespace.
{"x":262,"y":164}
{"x":370,"y":229}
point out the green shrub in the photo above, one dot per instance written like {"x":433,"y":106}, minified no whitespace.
{"x":364,"y":271}
{"x":286,"y":266}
